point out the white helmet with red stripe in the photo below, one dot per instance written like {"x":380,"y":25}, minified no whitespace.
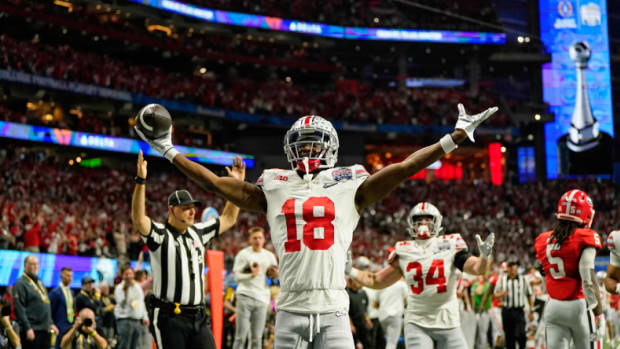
{"x":311,"y":144}
{"x":423,"y":230}
{"x":575,"y":205}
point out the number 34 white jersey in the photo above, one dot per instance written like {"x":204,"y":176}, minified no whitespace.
{"x":311,"y":227}
{"x":428,"y":266}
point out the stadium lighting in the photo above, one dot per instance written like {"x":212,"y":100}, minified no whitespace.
{"x":376,"y":20}
{"x":162,"y":28}
{"x":520,"y":39}
{"x":502,"y":149}
{"x":66,"y":4}
{"x":71,"y":162}
{"x":78,"y":159}
{"x":203,"y":70}
{"x":537,"y":117}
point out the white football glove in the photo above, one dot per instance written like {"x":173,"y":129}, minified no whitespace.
{"x":468,"y":123}
{"x":599,"y":330}
{"x":162,"y":144}
{"x":486,"y":247}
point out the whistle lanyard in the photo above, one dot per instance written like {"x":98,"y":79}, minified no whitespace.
{"x":40,"y":289}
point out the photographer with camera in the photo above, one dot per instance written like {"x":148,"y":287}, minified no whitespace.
{"x":251,"y":266}
{"x":83,"y":334}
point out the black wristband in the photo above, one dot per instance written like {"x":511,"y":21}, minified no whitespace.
{"x":140,"y":180}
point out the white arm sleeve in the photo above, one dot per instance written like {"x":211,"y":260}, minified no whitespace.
{"x":586,"y":264}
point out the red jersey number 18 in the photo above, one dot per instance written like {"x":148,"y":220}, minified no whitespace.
{"x":318,"y":213}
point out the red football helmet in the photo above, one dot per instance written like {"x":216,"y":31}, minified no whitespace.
{"x":575,"y":205}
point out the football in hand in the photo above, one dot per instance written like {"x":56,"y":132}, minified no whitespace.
{"x":153,"y":120}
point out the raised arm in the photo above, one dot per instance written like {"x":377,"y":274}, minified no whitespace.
{"x":231,"y":212}
{"x":239,"y":192}
{"x":138,"y":212}
{"x":380,"y":184}
{"x":478,"y":265}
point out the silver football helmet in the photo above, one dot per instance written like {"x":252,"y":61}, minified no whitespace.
{"x":311,"y":144}
{"x":419,"y":230}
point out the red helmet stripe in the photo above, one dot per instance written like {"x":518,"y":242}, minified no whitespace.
{"x":307,"y":120}
{"x":423,"y":204}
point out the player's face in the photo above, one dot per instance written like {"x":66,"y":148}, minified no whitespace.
{"x":423,"y":221}
{"x":309,"y":150}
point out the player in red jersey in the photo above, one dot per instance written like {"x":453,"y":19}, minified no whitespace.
{"x":567,"y":255}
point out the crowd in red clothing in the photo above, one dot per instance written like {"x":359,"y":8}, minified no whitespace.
{"x":60,"y":209}
{"x":343,"y":100}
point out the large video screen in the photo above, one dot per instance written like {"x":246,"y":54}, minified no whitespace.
{"x":100,"y":269}
{"x":577,"y":86}
{"x":71,"y":138}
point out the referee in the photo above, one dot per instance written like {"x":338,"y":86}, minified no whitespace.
{"x":177,"y":310}
{"x":515,"y":292}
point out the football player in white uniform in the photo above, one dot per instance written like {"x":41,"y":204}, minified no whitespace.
{"x":612,"y":280}
{"x":429,"y":264}
{"x":312,"y":210}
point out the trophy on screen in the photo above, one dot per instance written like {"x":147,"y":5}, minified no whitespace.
{"x":585,"y":149}
{"x":584,"y":133}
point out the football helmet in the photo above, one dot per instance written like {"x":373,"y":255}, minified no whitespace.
{"x":417,"y":229}
{"x":311,"y":144}
{"x":575,"y":205}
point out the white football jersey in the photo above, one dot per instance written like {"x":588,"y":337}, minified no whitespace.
{"x":613,"y":243}
{"x":428,"y":266}
{"x":312,"y":225}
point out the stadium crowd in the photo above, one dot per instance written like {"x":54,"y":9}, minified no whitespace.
{"x":52,"y":207}
{"x":346,"y":100}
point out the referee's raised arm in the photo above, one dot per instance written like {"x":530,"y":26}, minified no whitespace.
{"x":231,"y":211}
{"x":138,"y":212}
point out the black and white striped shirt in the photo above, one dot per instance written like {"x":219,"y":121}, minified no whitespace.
{"x":178,"y":260}
{"x":518,"y":291}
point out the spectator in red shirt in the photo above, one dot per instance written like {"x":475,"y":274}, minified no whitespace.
{"x":32,"y":239}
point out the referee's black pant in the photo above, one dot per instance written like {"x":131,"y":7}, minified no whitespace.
{"x":188,"y":330}
{"x":513,"y":320}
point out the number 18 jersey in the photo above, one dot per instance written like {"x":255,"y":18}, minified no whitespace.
{"x":311,"y":225}
{"x":561,"y":262}
{"x":428,"y":267}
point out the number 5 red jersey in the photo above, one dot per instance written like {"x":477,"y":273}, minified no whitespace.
{"x":561,"y":262}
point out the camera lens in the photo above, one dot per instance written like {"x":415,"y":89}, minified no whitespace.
{"x":88,"y":322}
